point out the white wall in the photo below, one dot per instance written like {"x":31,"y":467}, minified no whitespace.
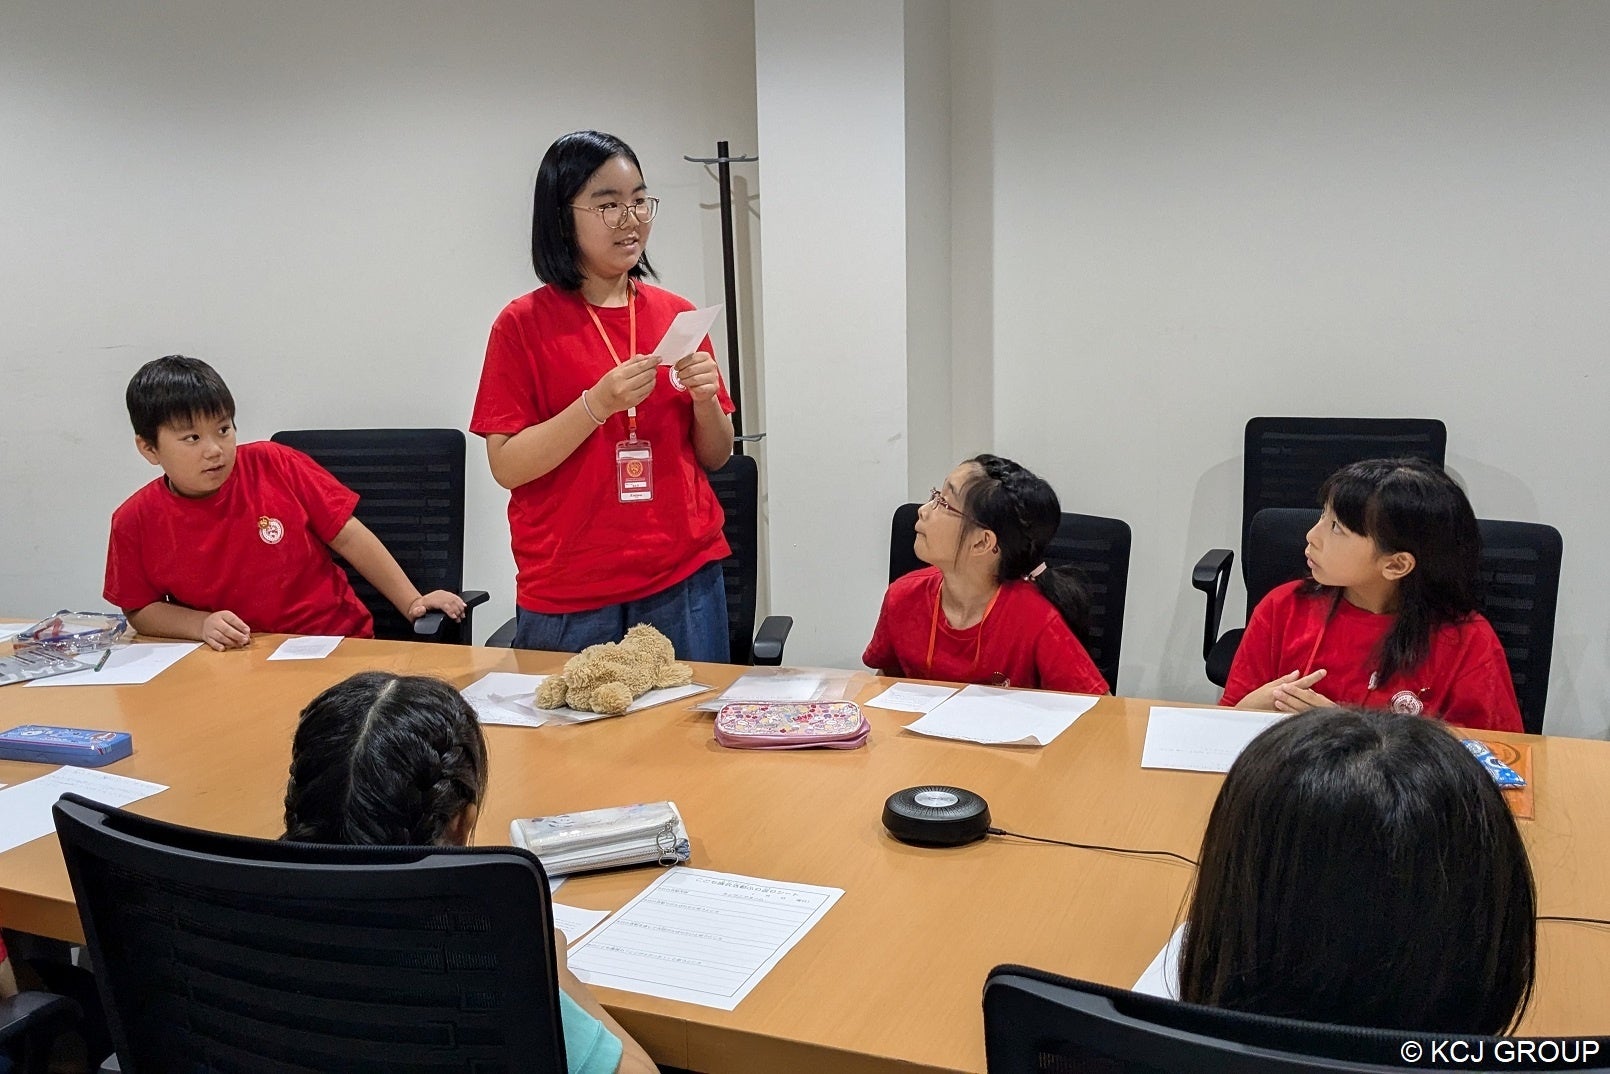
{"x":329,"y":202}
{"x":830,"y":102}
{"x":1203,"y":212}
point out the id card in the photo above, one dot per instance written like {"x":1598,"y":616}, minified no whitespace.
{"x":634,"y":471}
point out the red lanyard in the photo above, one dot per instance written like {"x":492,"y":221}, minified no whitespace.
{"x":933,"y":629}
{"x":1308,"y":665}
{"x":631,"y":342}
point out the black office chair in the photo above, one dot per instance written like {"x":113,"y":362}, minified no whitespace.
{"x":218,"y":952}
{"x":737,"y":487}
{"x":410,"y":484}
{"x":1098,"y":547}
{"x":30,"y":1022}
{"x":1036,"y":1022}
{"x":1520,"y":573}
{"x":1285,"y":462}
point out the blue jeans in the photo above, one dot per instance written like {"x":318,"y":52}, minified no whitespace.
{"x":692,"y":613}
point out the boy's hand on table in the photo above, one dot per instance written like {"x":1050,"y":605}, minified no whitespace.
{"x":224,"y":630}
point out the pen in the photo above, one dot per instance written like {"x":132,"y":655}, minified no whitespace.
{"x":102,"y":661}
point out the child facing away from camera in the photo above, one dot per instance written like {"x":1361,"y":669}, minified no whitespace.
{"x":388,"y":760}
{"x":232,"y":538}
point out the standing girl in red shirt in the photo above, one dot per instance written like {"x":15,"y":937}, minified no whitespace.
{"x":988,"y":610}
{"x":603,"y":449}
{"x":1388,"y":617}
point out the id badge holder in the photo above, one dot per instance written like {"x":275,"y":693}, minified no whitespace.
{"x":634,"y":471}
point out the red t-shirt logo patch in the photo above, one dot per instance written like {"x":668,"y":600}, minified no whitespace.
{"x":271,"y":530}
{"x":1407,"y":703}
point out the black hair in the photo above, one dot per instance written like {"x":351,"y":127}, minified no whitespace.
{"x":174,"y":389}
{"x":384,"y":760}
{"x":1023,"y":512}
{"x":567,"y":165}
{"x":1361,"y":868}
{"x":1411,"y":505}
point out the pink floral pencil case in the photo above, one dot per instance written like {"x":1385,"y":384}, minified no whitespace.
{"x":791,"y":725}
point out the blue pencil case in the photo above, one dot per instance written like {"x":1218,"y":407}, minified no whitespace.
{"x":65,"y":745}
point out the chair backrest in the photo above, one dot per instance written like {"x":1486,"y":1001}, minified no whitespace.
{"x":737,"y":487}
{"x":410,"y":484}
{"x":1098,"y":547}
{"x":216,"y":952}
{"x":1520,"y":574}
{"x":1036,"y":1022}
{"x":1287,"y":459}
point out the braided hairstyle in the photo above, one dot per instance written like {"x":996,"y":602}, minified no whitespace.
{"x":384,"y":760}
{"x":1023,"y":512}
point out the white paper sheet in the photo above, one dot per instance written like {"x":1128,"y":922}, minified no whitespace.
{"x":574,"y":921}
{"x":509,"y":698}
{"x":1001,"y":717}
{"x":686,"y":332}
{"x":789,"y":684}
{"x":911,"y":697}
{"x":1162,"y":977}
{"x":312,"y":647}
{"x":25,"y":808}
{"x":700,"y":937}
{"x":1200,"y":740}
{"x":128,"y":666}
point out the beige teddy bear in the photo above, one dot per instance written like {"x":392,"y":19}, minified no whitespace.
{"x":606,"y":678}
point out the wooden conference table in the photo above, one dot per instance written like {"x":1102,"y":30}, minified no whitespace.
{"x":891,"y":977}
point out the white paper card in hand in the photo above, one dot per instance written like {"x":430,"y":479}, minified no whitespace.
{"x":574,"y":921}
{"x":1200,"y":740}
{"x":911,"y":697}
{"x":1000,"y":717}
{"x":25,"y":808}
{"x":1162,"y":977}
{"x":700,"y":937}
{"x":129,"y":666}
{"x":312,"y":647}
{"x":687,"y":331}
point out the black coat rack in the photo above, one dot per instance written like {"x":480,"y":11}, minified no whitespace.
{"x":723,"y":160}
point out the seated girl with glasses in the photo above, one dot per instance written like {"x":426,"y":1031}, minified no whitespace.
{"x":988,"y":610}
{"x":389,"y":760}
{"x":1361,"y":868}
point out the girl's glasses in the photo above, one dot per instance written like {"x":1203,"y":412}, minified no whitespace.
{"x":937,"y":498}
{"x":614,"y":215}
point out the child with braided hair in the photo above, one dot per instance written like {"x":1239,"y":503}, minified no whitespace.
{"x":391,"y":760}
{"x":988,"y":610}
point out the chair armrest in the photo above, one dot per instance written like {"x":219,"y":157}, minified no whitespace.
{"x":503,"y":636}
{"x":1212,"y":576}
{"x":769,"y":639}
{"x":434,"y":625}
{"x":43,"y":1013}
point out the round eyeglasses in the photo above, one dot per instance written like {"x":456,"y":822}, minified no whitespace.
{"x":615,"y":214}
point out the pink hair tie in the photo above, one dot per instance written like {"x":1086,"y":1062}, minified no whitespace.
{"x":1036,"y":572}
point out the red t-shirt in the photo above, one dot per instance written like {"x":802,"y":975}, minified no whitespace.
{"x":1022,"y":641}
{"x":576,"y":546}
{"x":1464,"y":680}
{"x":258,"y":547}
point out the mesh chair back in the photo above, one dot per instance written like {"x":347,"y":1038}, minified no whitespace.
{"x":1520,"y":574}
{"x":1040,"y":1023}
{"x":1273,"y":554}
{"x":737,"y":486}
{"x":221,"y":953}
{"x":1287,"y":459}
{"x":1098,"y":547}
{"x":410,"y":484}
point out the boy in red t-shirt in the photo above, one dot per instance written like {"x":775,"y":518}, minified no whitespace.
{"x":235,"y":539}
